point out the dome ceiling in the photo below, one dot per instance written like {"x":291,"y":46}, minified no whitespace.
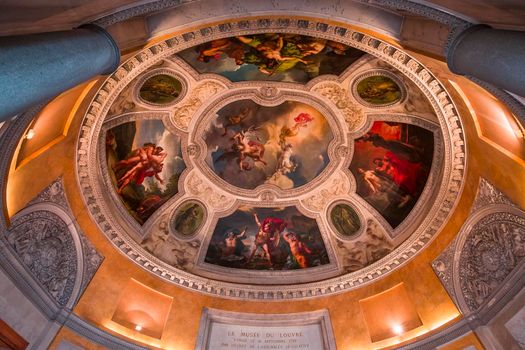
{"x":239,"y":158}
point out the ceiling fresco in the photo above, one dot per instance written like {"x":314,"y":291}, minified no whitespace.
{"x":391,"y":163}
{"x":267,"y":239}
{"x":266,"y":159}
{"x":249,"y":145}
{"x":144,"y":163}
{"x":271,"y":56}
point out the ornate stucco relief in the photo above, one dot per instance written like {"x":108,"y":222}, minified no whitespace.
{"x":486,"y":252}
{"x":52,"y":247}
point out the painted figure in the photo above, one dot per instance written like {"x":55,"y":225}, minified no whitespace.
{"x":233,"y":243}
{"x":267,"y":237}
{"x":392,"y":164}
{"x":236,"y":119}
{"x":242,"y":148}
{"x":150,"y":163}
{"x":298,"y":249}
{"x":188,"y":220}
{"x":301,"y":121}
{"x":345,"y":219}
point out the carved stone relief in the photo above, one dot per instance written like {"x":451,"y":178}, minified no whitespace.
{"x":493,"y":248}
{"x":164,"y":245}
{"x":52,"y":247}
{"x":353,"y":115}
{"x":183,"y":114}
{"x":369,"y":247}
{"x":44,"y":244}
{"x":317,"y":202}
{"x":489,"y":247}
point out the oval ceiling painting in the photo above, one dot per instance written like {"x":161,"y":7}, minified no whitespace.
{"x":188,"y":219}
{"x":285,"y":145}
{"x":379,"y":90}
{"x":345,"y":220}
{"x":271,"y":56}
{"x":160,"y":89}
{"x":263,"y":165}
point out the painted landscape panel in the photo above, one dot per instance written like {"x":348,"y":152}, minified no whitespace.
{"x":267,"y":239}
{"x":391,"y":164}
{"x":379,"y":90}
{"x":285,"y":145}
{"x":144,"y":161}
{"x":272,"y":56}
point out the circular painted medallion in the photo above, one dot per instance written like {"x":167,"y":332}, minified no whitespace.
{"x":379,"y":90}
{"x":160,"y":89}
{"x":345,"y":220}
{"x":188,"y":219}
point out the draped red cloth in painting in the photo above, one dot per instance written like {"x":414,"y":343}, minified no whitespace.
{"x":404,"y":173}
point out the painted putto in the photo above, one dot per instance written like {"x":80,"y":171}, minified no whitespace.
{"x":285,"y":145}
{"x":271,"y":56}
{"x":392,"y":163}
{"x":144,"y":162}
{"x":267,"y":239}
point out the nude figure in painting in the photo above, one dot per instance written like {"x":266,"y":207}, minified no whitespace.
{"x":136,"y":156}
{"x":298,"y":249}
{"x":152,"y":165}
{"x":242,"y":148}
{"x":268,"y":236}
{"x":232,"y":243}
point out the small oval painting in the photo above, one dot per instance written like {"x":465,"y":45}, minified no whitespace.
{"x":379,"y":90}
{"x":160,"y":89}
{"x":345,"y":220}
{"x":188,"y":219}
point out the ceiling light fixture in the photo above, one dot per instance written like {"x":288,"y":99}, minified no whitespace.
{"x":138,"y":328}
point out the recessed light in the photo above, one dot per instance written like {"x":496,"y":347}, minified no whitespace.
{"x":30,"y":133}
{"x":138,"y":328}
{"x":398,"y":329}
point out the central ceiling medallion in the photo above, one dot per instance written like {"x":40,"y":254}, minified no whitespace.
{"x":249,"y":145}
{"x":271,"y":159}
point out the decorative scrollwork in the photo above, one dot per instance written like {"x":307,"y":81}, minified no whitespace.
{"x":45,"y":246}
{"x":202,"y":189}
{"x":353,"y":115}
{"x":317,"y":202}
{"x":183,"y":115}
{"x":492,"y":249}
